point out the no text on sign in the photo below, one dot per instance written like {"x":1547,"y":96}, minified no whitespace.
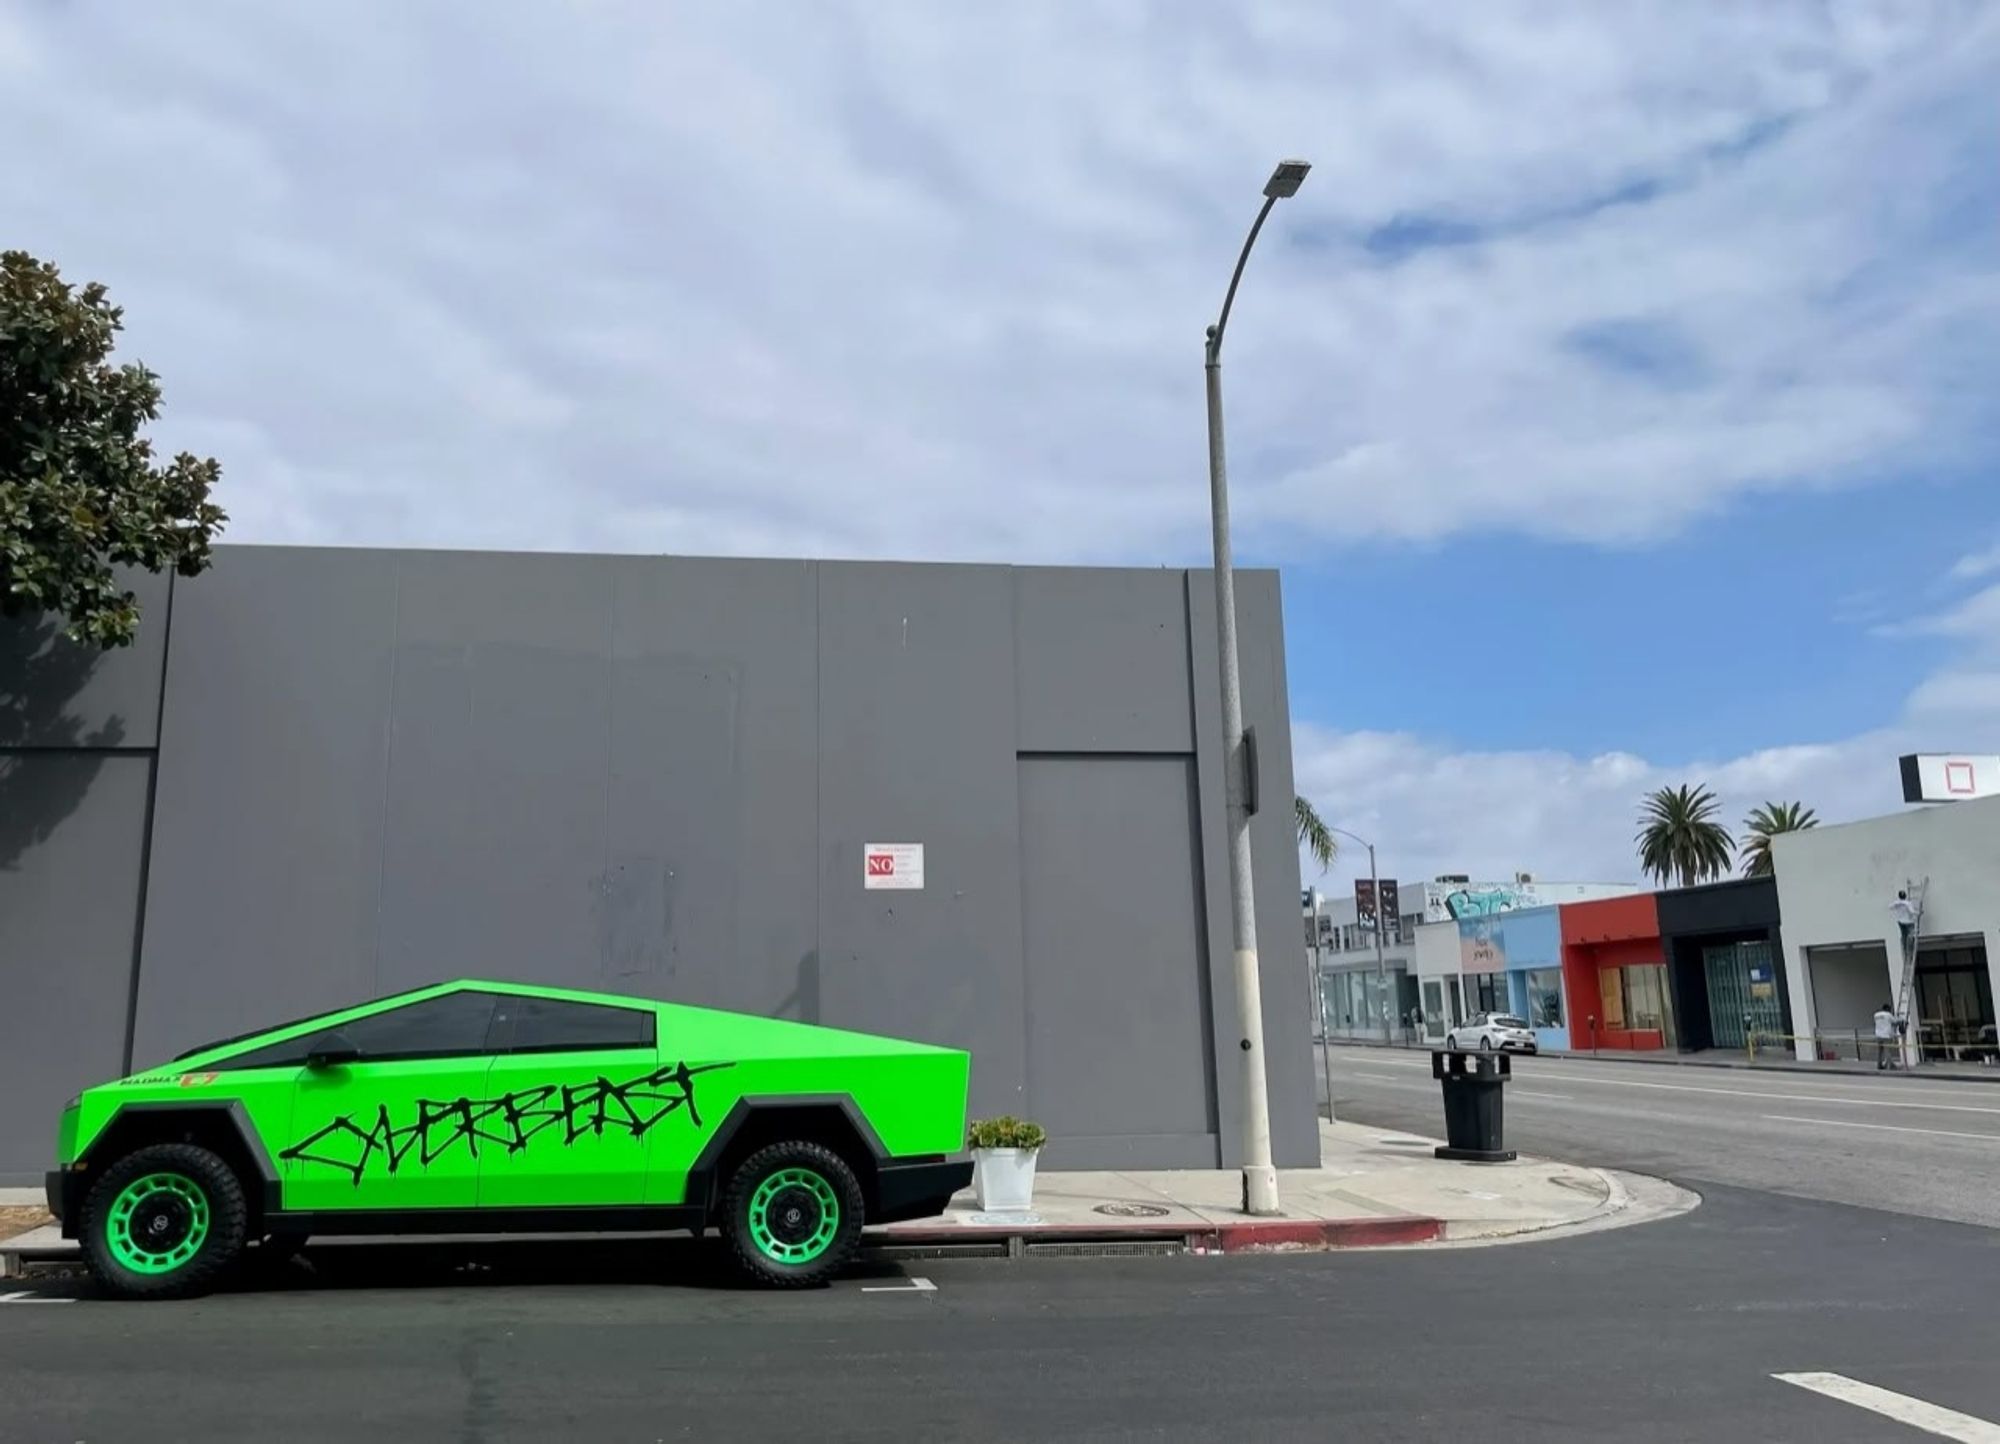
{"x":893,"y":865}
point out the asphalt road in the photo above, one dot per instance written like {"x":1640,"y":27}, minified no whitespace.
{"x":1903,"y":1144}
{"x":1666,"y":1332}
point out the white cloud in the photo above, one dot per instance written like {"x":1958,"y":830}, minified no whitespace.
{"x":887,"y":277}
{"x":1977,"y":565}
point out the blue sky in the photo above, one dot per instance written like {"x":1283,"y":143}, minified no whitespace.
{"x":1616,"y":395}
{"x":1751,"y":630}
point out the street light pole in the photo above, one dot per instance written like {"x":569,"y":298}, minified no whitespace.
{"x":1319,"y":1002}
{"x":1381,"y":966}
{"x":1260,"y":1178}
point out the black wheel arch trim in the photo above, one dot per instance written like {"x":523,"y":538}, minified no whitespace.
{"x":703,"y":1187}
{"x":77,"y":1178}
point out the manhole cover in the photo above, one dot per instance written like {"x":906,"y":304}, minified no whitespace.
{"x":1131,"y":1210}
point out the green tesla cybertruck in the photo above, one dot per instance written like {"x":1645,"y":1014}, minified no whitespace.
{"x":496,"y":1107}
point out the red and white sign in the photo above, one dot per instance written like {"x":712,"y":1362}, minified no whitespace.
{"x":893,"y":865}
{"x":1950,"y":777}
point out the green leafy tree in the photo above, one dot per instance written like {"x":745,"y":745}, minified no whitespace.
{"x":1314,"y":835}
{"x":1679,"y":839}
{"x":1765,"y":823}
{"x":80,"y":490}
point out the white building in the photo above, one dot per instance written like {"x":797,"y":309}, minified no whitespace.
{"x":1359,"y":999}
{"x":1842,"y":950}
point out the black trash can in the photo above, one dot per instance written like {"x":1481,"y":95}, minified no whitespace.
{"x":1472,"y":1085}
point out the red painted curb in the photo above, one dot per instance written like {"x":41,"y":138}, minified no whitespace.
{"x":1328,"y":1233}
{"x":1245,"y":1237}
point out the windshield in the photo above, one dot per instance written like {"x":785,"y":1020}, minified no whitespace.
{"x":1508,"y":1020}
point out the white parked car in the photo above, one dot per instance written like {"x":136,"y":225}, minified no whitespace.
{"x":1492,"y":1031}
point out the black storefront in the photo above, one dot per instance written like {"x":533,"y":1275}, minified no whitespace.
{"x":1726,"y":963}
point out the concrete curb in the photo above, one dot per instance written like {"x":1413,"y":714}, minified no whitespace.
{"x":1252,"y":1235}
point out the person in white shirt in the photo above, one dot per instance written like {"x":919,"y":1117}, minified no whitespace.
{"x":1885,"y":1034}
{"x":1906,"y":918}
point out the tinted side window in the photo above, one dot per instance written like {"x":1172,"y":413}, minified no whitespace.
{"x":435,"y":1028}
{"x":548,"y":1025}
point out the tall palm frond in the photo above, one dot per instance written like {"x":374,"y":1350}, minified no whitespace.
{"x":1765,"y":823}
{"x":1679,"y":840}
{"x":1314,"y":835}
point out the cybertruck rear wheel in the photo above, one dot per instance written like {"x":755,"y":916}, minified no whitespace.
{"x":792,"y":1213}
{"x":163,"y":1222}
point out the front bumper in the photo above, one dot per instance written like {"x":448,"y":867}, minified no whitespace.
{"x":55,"y":1183}
{"x":917,"y":1189}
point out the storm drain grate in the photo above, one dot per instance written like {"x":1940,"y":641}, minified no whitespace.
{"x":1132,"y":1248}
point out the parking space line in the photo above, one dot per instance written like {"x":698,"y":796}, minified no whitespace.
{"x":1882,"y":1127}
{"x":22,"y":1296}
{"x":1917,"y":1413}
{"x":913,"y":1286}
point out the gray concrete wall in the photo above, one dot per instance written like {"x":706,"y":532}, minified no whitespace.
{"x":76,"y":756}
{"x":657,"y":775}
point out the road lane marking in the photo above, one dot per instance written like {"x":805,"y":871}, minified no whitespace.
{"x":914,"y":1286}
{"x":1762,"y":1093}
{"x":22,"y":1296}
{"x":1531,"y":1093}
{"x":1931,"y":1418}
{"x":1882,"y":1127}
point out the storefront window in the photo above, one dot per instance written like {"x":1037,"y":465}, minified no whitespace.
{"x":1486,"y":992}
{"x":1545,"y":998}
{"x":1645,"y":1003}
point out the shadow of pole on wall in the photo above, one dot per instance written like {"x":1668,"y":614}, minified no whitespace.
{"x":41,"y":673}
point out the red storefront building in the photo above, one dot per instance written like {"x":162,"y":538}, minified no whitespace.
{"x":1614,"y":969}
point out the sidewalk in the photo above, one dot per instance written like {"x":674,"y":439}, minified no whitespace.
{"x":1373,"y":1188}
{"x":1719,"y":1058}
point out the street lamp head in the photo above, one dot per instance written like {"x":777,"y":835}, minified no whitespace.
{"x":1286,"y":179}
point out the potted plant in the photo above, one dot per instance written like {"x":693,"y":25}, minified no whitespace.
{"x":1003,"y":1162}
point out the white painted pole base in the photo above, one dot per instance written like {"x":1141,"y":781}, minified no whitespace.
{"x":1260,"y":1192}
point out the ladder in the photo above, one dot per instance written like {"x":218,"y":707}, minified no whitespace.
{"x":1904,"y":995}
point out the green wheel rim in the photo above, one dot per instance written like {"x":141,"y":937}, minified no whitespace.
{"x":794,"y":1216}
{"x":157,"y":1223}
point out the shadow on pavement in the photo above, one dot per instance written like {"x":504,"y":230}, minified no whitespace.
{"x":652,"y":1262}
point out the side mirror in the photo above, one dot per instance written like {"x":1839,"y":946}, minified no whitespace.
{"x":330,"y":1050}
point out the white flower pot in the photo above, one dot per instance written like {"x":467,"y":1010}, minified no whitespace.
{"x":1004,"y":1179}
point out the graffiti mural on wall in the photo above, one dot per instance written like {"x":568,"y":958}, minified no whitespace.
{"x":1484,"y":901}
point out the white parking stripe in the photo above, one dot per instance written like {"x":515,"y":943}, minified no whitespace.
{"x":1531,"y":1093}
{"x":1882,"y":1127}
{"x":914,"y":1286}
{"x":1945,"y":1423}
{"x":22,"y":1296}
{"x":1569,"y":1078}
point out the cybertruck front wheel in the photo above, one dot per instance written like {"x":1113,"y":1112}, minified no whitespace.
{"x":792,"y":1213}
{"x":163,"y":1222}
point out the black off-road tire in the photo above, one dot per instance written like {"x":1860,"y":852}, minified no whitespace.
{"x":227,"y":1222}
{"x":788,"y":1209}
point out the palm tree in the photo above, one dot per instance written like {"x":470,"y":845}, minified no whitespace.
{"x":1314,"y":836}
{"x":1765,"y":823}
{"x":1679,"y":838}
